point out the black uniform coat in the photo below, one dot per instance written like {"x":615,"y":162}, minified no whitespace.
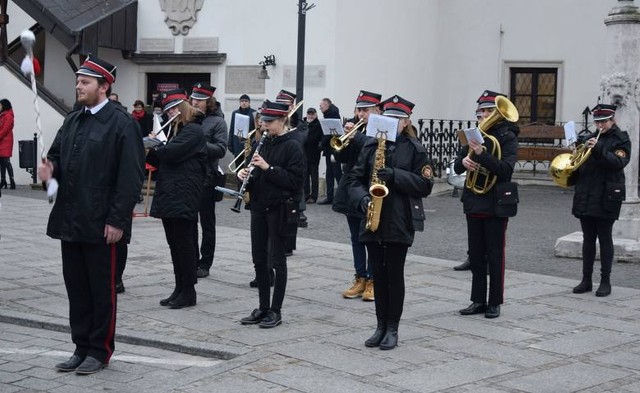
{"x":599,"y":187}
{"x":215,"y":133}
{"x":402,"y":211}
{"x":285,"y":176}
{"x":181,"y":164}
{"x":507,"y":135}
{"x":98,"y":161}
{"x":348,"y":156}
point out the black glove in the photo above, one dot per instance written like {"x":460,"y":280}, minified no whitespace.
{"x":386,"y":175}
{"x":364,"y":204}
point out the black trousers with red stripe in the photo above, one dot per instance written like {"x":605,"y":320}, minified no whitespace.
{"x":487,"y":237}
{"x":89,"y":272}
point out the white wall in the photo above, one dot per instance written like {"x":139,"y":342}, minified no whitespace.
{"x":18,"y":21}
{"x":21,"y":99}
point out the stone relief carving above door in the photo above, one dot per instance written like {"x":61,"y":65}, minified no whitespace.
{"x":180,"y":15}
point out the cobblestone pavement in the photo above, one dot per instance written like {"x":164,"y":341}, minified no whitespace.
{"x":546,"y":340}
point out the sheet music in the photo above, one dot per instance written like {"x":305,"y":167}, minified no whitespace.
{"x":331,"y":127}
{"x":379,"y":126}
{"x":570,"y":133}
{"x":474,"y":134}
{"x":241,"y":125}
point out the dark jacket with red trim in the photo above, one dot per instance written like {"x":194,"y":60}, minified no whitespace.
{"x":600,"y":181}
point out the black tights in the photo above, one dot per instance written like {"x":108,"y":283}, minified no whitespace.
{"x":593,"y":228}
{"x":388,"y":278}
{"x":5,"y":166}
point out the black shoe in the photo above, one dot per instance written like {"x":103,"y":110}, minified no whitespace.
{"x":325,"y":201}
{"x":377,"y":336}
{"x":70,"y":365}
{"x":466,"y":265}
{"x":174,"y":294}
{"x":474,"y":308}
{"x":120,"y":287}
{"x":3,"y":184}
{"x":584,"y":286}
{"x":256,"y":316}
{"x":492,"y":312}
{"x":390,"y":339}
{"x":90,"y":366}
{"x":202,"y":272}
{"x":12,"y":184}
{"x":604,"y":289}
{"x":184,"y":299}
{"x":254,"y":283}
{"x":271,"y":320}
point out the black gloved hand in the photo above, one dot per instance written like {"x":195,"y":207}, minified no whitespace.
{"x":386,"y":175}
{"x":364,"y":204}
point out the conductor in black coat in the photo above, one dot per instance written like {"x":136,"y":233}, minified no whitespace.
{"x":599,"y":193}
{"x":97,"y":157}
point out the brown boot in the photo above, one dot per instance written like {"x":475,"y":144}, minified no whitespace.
{"x":356,"y":289}
{"x":368,"y":294}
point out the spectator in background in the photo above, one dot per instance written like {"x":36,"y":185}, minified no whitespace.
{"x":234,"y":143}
{"x":312,"y":148}
{"x":6,"y":143}
{"x":334,"y":170}
{"x":144,"y":119}
{"x":113,"y":97}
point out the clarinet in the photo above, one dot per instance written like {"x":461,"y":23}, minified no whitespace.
{"x":240,"y":195}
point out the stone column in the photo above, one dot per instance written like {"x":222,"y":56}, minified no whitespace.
{"x":620,"y":86}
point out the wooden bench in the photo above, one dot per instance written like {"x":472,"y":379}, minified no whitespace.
{"x":540,"y":142}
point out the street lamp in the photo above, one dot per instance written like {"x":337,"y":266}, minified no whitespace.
{"x":269,"y":60}
{"x":303,"y":7}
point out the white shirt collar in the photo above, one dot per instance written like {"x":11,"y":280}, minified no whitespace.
{"x":97,"y":108}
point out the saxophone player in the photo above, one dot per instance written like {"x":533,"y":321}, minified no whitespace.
{"x":405,"y":170}
{"x":485,"y":229}
{"x":277,"y":175}
{"x":599,"y":192}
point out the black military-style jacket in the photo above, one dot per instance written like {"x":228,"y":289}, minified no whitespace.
{"x":600,"y":181}
{"x":402,"y":210}
{"x":506,"y":134}
{"x":98,"y":161}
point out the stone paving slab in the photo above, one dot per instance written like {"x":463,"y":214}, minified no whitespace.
{"x":546,"y":340}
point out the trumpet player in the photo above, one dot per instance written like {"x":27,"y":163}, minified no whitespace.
{"x":276,"y":177}
{"x":485,"y":229}
{"x":366,"y":104}
{"x":599,"y":192}
{"x":405,"y":170}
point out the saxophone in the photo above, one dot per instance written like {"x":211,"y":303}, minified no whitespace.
{"x":377,"y":190}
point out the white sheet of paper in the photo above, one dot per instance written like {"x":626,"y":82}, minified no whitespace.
{"x":241,"y":125}
{"x":379,"y":126}
{"x":331,"y":127}
{"x":161,"y":136}
{"x":570,"y":135}
{"x":157,"y":123}
{"x":474,"y":134}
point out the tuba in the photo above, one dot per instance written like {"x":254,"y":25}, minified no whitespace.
{"x":378,"y":190}
{"x":481,"y":181}
{"x":564,"y":165}
{"x":338,"y":143}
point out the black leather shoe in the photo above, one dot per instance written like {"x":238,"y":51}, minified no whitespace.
{"x":492,"y":312}
{"x":256,"y":317}
{"x":202,"y":272}
{"x":390,"y":339}
{"x":119,"y":287}
{"x":584,"y":286}
{"x":474,"y":308}
{"x":604,"y":289}
{"x":271,"y":320}
{"x":90,"y":366}
{"x":466,"y":265}
{"x":254,"y":283}
{"x":174,"y":294}
{"x":325,"y":202}
{"x":376,"y":338}
{"x":70,"y":365}
{"x":184,"y":299}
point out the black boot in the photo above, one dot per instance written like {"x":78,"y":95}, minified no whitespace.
{"x":3,"y":183}
{"x":174,"y":294}
{"x":466,"y":265}
{"x":605,"y":287}
{"x":390,"y":339}
{"x":584,"y":286}
{"x":378,"y":335}
{"x":186,"y":298}
{"x":12,"y":184}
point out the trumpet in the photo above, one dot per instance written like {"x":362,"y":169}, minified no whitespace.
{"x":338,"y":143}
{"x":238,"y":162}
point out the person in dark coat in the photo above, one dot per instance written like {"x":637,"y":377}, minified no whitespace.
{"x":312,"y":149}
{"x":333,"y":168}
{"x":215,"y":132}
{"x":97,"y":158}
{"x":408,"y":176}
{"x":234,"y":143}
{"x":366,"y":104}
{"x":485,"y":228}
{"x":599,"y":193}
{"x":277,"y":175}
{"x":181,"y":164}
{"x":142,"y":117}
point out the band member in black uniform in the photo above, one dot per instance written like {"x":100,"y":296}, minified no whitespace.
{"x":408,"y":176}
{"x":181,"y":164}
{"x":366,"y":103}
{"x":215,"y":133}
{"x":97,"y":157}
{"x":485,"y":230}
{"x":599,"y":192}
{"x":275,"y":177}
